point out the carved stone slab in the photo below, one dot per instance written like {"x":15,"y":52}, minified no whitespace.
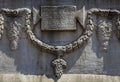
{"x":58,"y":18}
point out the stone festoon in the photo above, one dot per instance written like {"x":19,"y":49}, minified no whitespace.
{"x":58,"y":18}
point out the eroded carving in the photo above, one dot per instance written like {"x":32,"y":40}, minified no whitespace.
{"x":61,"y":50}
{"x":65,"y":48}
{"x":117,"y":31}
{"x":14,"y":28}
{"x":59,"y":65}
{"x":105,"y":29}
{"x":1,"y":25}
{"x":58,"y":18}
{"x":13,"y":35}
{"x":104,"y":34}
{"x":104,"y":12}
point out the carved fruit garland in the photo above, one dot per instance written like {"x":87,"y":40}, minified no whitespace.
{"x":14,"y":28}
{"x":105,"y":29}
{"x":59,"y":64}
{"x":65,"y":48}
{"x":1,"y":25}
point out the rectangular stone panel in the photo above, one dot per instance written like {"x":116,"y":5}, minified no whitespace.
{"x":58,"y":18}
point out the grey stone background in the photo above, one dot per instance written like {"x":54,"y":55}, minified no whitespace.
{"x":30,"y":60}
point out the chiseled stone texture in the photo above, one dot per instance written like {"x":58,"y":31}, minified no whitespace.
{"x":64,"y":78}
{"x":32,"y":62}
{"x":58,"y":18}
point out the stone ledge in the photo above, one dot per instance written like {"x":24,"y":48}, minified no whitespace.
{"x":64,"y":78}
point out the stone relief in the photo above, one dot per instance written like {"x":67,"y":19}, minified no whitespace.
{"x":60,"y":51}
{"x":13,"y":35}
{"x":105,"y":28}
{"x":104,"y":32}
{"x":14,"y":28}
{"x":65,"y":48}
{"x":59,"y":65}
{"x":1,"y":25}
{"x":118,"y":29}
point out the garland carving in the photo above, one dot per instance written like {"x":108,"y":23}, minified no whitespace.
{"x":60,"y":50}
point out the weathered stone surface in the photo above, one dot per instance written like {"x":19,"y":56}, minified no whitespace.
{"x":31,"y":61}
{"x":65,"y":78}
{"x":58,"y":18}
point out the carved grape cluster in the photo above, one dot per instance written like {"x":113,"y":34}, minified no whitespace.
{"x":59,"y":65}
{"x":13,"y":29}
{"x":104,"y":33}
{"x":13,"y":35}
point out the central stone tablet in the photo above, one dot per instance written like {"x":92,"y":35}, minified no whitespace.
{"x":56,"y":18}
